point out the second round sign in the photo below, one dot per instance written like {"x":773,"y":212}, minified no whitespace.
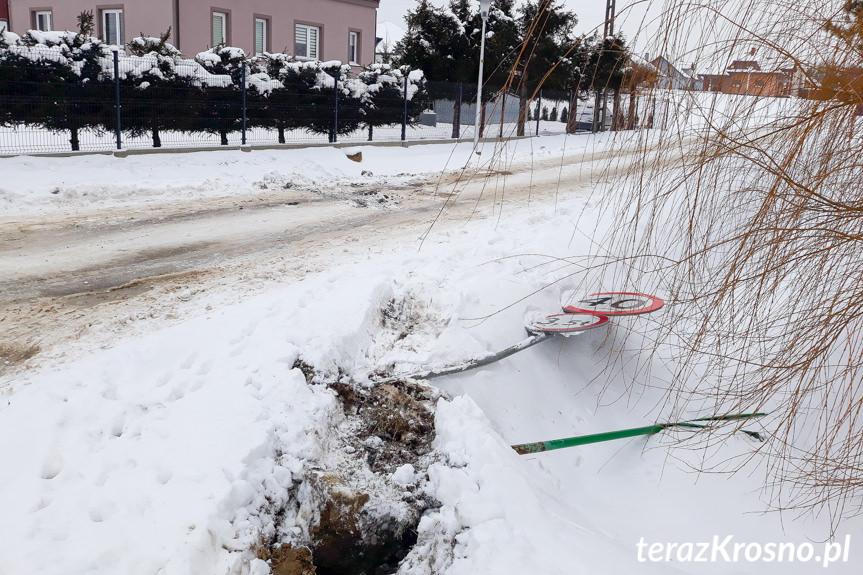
{"x":567,"y":323}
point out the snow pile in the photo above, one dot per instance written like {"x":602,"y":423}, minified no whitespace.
{"x":80,"y":185}
{"x":150,"y":464}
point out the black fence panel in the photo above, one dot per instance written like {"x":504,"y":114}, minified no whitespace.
{"x":41,"y":114}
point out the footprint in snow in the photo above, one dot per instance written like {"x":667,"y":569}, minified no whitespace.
{"x":189,"y":361}
{"x":205,"y":367}
{"x":52,"y":466}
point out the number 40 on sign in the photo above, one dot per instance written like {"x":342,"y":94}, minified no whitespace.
{"x":593,"y":311}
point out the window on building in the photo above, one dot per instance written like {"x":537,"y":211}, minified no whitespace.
{"x":261,"y":35}
{"x":4,"y":24}
{"x":353,"y":47}
{"x":306,"y":41}
{"x":220,"y":28}
{"x":112,"y":27}
{"x":759,"y":84}
{"x":42,"y":21}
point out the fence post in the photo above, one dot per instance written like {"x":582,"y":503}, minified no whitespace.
{"x":456,"y":127}
{"x":538,"y":112}
{"x":243,"y":82}
{"x":405,"y":115}
{"x":335,"y":137}
{"x":117,"y":97}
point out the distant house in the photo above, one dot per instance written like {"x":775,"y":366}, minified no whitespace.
{"x":670,"y":77}
{"x":802,"y":82}
{"x":747,"y":77}
{"x":712,"y":82}
{"x":309,"y":29}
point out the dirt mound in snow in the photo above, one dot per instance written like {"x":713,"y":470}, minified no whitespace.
{"x":364,"y":497}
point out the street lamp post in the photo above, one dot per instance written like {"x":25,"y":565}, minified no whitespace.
{"x":484,"y":6}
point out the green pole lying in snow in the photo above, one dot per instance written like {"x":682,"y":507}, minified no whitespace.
{"x":539,"y":446}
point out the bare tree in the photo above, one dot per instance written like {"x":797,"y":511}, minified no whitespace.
{"x":747,"y":212}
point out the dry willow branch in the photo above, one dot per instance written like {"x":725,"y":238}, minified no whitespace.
{"x":758,"y":204}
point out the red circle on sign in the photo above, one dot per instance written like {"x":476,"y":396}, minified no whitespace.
{"x":616,"y":303}
{"x":567,"y":323}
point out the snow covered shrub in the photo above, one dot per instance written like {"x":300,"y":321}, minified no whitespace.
{"x":285,"y":107}
{"x":348,"y":92}
{"x":382,"y":95}
{"x":219,"y":105}
{"x":305,"y":96}
{"x":60,"y":78}
{"x":65,"y":81}
{"x":156,"y":88}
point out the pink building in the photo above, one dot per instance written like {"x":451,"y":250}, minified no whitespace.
{"x":314,"y":29}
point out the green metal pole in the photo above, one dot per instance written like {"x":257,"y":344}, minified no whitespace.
{"x":540,"y":446}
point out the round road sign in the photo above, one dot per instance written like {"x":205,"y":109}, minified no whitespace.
{"x":616,"y":303}
{"x":567,"y":323}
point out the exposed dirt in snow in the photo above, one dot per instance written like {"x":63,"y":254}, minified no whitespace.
{"x":362,"y":501}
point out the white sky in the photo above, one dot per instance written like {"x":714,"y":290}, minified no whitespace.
{"x":707,"y":35}
{"x":590,"y":14}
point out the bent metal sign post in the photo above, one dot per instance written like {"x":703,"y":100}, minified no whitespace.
{"x":588,"y":313}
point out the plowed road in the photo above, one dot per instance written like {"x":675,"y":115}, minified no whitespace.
{"x":92,"y":273}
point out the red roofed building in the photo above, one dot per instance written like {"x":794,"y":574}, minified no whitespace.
{"x":4,"y":15}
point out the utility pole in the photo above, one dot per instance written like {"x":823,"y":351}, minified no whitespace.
{"x":484,"y":7}
{"x":607,"y":30}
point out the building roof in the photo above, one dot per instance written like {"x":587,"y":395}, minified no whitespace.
{"x":744,"y":65}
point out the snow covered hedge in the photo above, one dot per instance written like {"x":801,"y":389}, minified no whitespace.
{"x":65,"y":81}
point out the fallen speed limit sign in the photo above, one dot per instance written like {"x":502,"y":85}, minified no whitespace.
{"x":616,"y":303}
{"x":567,"y":323}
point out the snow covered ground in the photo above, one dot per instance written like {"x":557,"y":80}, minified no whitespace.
{"x":167,"y":451}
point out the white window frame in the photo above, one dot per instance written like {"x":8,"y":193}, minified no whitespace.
{"x":224,"y":18}
{"x":46,"y":14}
{"x":4,"y":24}
{"x":118,"y":14}
{"x":307,"y":29}
{"x":354,"y":48}
{"x":266,"y":31}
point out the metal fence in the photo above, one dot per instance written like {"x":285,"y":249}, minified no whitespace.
{"x":108,"y":115}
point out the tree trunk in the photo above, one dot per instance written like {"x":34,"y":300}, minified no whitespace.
{"x":281,"y":134}
{"x":523,"y":111}
{"x":157,"y":139}
{"x":616,"y":116}
{"x":572,"y":119}
{"x":597,"y":109}
{"x":631,"y":117}
{"x":371,"y":132}
{"x":523,"y":102}
{"x":482,"y":120}
{"x":73,"y":140}
{"x":502,"y":114}
{"x":224,"y":136}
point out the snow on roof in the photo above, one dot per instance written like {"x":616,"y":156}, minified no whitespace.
{"x":744,"y":65}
